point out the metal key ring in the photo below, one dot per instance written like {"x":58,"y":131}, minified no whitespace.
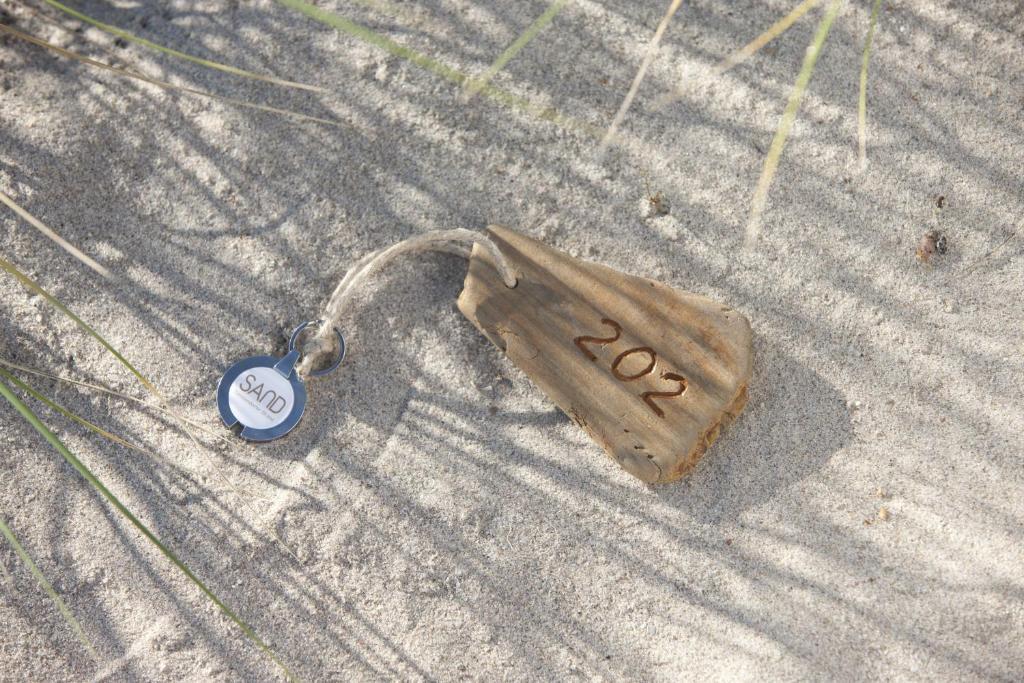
{"x":341,"y":347}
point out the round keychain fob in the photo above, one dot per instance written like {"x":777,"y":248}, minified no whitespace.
{"x":264,"y":394}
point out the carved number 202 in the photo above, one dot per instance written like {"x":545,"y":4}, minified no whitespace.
{"x":648,"y":396}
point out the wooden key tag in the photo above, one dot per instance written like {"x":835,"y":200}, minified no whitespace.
{"x":651,"y":373}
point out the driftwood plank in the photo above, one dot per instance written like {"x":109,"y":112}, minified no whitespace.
{"x":651,"y":373}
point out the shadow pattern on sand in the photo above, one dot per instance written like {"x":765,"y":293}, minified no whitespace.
{"x":447,"y":520}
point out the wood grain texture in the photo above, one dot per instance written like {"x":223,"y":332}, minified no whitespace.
{"x":651,"y":373}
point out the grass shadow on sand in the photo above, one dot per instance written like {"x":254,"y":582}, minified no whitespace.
{"x":432,"y":531}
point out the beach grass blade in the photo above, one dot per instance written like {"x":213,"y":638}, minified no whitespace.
{"x":87,"y":474}
{"x":46,"y":230}
{"x":771,"y":162}
{"x":121,"y":33}
{"x":474,"y":85}
{"x":747,"y":51}
{"x":437,"y":67}
{"x":71,"y":415}
{"x":862,"y":103}
{"x":31,"y":284}
{"x":348,"y":26}
{"x":100,"y":431}
{"x":652,"y":50}
{"x":772,"y":32}
{"x":119,"y":394}
{"x":163,"y":84}
{"x":55,"y":598}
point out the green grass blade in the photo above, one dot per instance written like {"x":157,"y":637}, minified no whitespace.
{"x":107,"y":390}
{"x":46,"y":230}
{"x":163,"y":84}
{"x":747,"y":51}
{"x":651,"y":52}
{"x":52,"y":300}
{"x":473,"y":86}
{"x":348,"y":26}
{"x":87,"y":474}
{"x":121,"y":33}
{"x":771,"y":162}
{"x":770,"y":34}
{"x":436,"y":67}
{"x":100,"y":431}
{"x":862,"y":104}
{"x":47,"y":588}
{"x":53,"y":405}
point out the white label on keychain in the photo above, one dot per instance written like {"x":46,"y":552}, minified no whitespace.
{"x":261,"y":398}
{"x":265,"y":395}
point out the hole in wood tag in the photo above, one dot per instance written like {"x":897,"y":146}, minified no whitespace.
{"x":650,"y":372}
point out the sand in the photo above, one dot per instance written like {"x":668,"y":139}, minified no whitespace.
{"x":447,"y":521}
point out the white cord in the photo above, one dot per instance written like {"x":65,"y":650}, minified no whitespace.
{"x":323,"y":342}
